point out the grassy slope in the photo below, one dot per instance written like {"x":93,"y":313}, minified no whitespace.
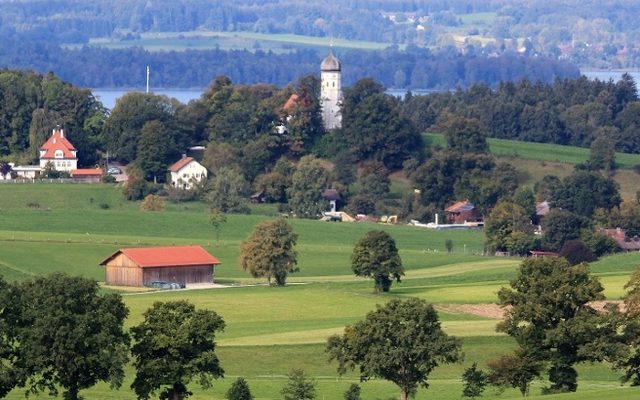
{"x":271,"y":330}
{"x":535,"y":160}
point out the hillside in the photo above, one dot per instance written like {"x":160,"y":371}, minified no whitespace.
{"x":271,"y":330}
{"x":535,"y":160}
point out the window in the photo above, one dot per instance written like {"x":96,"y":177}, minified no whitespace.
{"x":58,"y":154}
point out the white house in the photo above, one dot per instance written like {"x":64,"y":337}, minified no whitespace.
{"x":59,"y":152}
{"x":186,"y":172}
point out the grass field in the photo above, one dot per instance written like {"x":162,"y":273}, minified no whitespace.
{"x":535,"y":160}
{"x":269,"y":331}
{"x":277,"y":43}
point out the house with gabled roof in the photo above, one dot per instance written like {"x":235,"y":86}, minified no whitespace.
{"x":139,"y":266}
{"x":186,"y":172}
{"x":58,"y":151}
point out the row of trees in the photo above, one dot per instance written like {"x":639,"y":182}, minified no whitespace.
{"x":413,"y":67}
{"x":59,"y":331}
{"x":569,"y":112}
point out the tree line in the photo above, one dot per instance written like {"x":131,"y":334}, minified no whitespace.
{"x":415,"y":67}
{"x":567,"y":111}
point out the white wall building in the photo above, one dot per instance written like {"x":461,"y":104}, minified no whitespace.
{"x":186,"y":172}
{"x":59,"y":152}
{"x":330,"y":92}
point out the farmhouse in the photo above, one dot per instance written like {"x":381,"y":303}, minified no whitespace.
{"x":186,"y":172}
{"x":138,"y":266}
{"x":462,"y":212}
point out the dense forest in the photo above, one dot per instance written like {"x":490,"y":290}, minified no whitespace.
{"x":569,"y":112}
{"x":413,"y":68}
{"x":591,"y":33}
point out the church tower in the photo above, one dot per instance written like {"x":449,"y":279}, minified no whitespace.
{"x":330,"y":92}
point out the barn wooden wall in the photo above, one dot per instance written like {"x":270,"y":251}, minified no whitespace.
{"x":122,"y":271}
{"x":184,"y":275}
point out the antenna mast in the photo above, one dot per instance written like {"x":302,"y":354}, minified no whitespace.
{"x":148,"y":72}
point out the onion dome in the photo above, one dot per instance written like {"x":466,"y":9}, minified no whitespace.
{"x":330,"y":63}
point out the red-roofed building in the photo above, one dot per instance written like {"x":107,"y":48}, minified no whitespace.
{"x":139,"y":266}
{"x":186,"y":172}
{"x":87,"y":175}
{"x":58,"y":151}
{"x":461,"y":212}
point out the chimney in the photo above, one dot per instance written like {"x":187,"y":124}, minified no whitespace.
{"x":184,"y":155}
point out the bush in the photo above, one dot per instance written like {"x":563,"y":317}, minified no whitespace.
{"x":108,"y":179}
{"x":105,"y":206}
{"x":138,"y":189}
{"x":152,"y":203}
{"x":575,"y":252}
{"x":353,"y":393}
{"x":239,"y":390}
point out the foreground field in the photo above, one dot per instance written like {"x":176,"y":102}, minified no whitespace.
{"x":272,"y":330}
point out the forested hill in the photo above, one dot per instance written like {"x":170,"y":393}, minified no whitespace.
{"x":413,"y":68}
{"x":590,"y":33}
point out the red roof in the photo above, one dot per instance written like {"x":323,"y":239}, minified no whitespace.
{"x":57,"y":141}
{"x":86,"y":172}
{"x":180,"y":164}
{"x":293,"y":100}
{"x":174,"y":256}
{"x":460,"y":206}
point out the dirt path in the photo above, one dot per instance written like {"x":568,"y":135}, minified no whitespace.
{"x":492,"y":310}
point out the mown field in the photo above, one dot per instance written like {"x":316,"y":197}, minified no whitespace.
{"x":277,"y":43}
{"x":273,"y":330}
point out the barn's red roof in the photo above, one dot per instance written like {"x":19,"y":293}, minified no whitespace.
{"x":87,"y":172}
{"x":57,"y":141}
{"x":174,"y":256}
{"x":180,"y":164}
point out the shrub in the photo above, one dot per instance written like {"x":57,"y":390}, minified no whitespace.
{"x":353,"y":393}
{"x":108,"y":179}
{"x":239,"y":390}
{"x":575,"y":252}
{"x":105,"y":206}
{"x":152,"y":203}
{"x":448,"y":244}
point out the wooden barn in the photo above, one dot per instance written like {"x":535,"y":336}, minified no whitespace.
{"x":139,"y":266}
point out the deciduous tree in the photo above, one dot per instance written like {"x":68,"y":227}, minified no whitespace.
{"x":305,"y":192}
{"x":269,"y":251}
{"x":69,"y":335}
{"x":549,"y":315}
{"x":375,"y":256}
{"x":420,"y":345}
{"x":173,"y":345}
{"x":515,"y":370}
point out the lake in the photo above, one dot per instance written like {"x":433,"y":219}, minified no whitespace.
{"x":108,"y":97}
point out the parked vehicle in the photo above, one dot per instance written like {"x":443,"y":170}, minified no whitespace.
{"x":114,"y":171}
{"x":164,"y":285}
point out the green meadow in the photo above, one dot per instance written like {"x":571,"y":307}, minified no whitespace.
{"x":206,"y":40}
{"x":535,"y":160}
{"x":269,"y":331}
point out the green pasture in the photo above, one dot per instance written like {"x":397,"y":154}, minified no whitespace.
{"x":271,"y":330}
{"x":541,"y":151}
{"x":207,"y":40}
